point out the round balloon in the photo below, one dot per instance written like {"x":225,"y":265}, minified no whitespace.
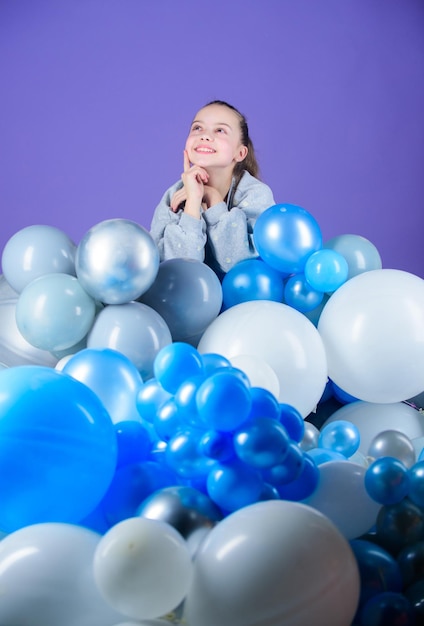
{"x":57,"y":447}
{"x":34,"y":251}
{"x":54,"y":312}
{"x":116,"y":261}
{"x":285,"y":235}
{"x":373,"y":333}
{"x":273,"y":563}
{"x":134,"y":329}
{"x":282,"y":337}
{"x":47,"y":578}
{"x":14,"y":348}
{"x":187,"y":294}
{"x":143,"y":567}
{"x":326,"y":270}
{"x":360,"y":253}
{"x":252,"y":279}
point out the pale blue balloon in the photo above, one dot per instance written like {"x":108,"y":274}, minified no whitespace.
{"x":360,"y":253}
{"x":326,"y":270}
{"x":34,"y":251}
{"x":54,"y":312}
{"x":134,"y":329}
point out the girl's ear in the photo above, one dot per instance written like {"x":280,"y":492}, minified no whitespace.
{"x":242,"y":153}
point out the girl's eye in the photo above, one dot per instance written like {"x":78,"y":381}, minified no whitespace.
{"x":197,"y":127}
{"x":220,"y":130}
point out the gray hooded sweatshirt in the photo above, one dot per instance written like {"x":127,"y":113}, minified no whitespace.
{"x":224,"y":234}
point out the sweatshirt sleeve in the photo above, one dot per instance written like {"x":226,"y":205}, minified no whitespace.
{"x":177,"y":235}
{"x":230,"y":232}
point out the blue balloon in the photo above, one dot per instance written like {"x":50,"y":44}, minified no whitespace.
{"x":185,"y":399}
{"x":182,"y":455}
{"x":223,"y":401}
{"x":299,"y":294}
{"x":326,"y":270}
{"x":175,"y":363}
{"x":234,"y":485}
{"x":168,"y":421}
{"x":261,"y":443}
{"x":388,"y":609}
{"x":340,"y":436}
{"x":216,"y":445}
{"x":264,"y":404}
{"x":133,"y":441}
{"x":252,"y":279}
{"x":304,"y":484}
{"x":361,"y":255}
{"x":416,"y":486}
{"x":399,"y":525}
{"x":150,"y":397}
{"x":292,"y":421}
{"x":212,"y":362}
{"x":285,"y":235}
{"x":322,"y":455}
{"x":387,"y":480}
{"x":58,"y":448}
{"x":288,"y":470}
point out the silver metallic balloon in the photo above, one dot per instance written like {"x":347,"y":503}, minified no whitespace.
{"x":310,"y":437}
{"x":395,"y":444}
{"x":117,"y":261}
{"x":188,"y":510}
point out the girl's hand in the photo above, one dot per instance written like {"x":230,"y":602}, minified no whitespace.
{"x":194,"y":178}
{"x":178,"y":198}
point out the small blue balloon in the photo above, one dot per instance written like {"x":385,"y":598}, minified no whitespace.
{"x":167,"y":421}
{"x":387,"y":480}
{"x":292,"y":421}
{"x":183,"y":457}
{"x":185,"y":399}
{"x":299,"y":294}
{"x":234,"y":485}
{"x":264,"y":404}
{"x":261,"y":443}
{"x":252,"y":279}
{"x":285,"y":235}
{"x":416,"y":483}
{"x":305,"y":483}
{"x":150,"y":397}
{"x":340,"y":436}
{"x":223,"y":401}
{"x":321,"y":455}
{"x":216,"y":445}
{"x":388,"y":609}
{"x":175,"y":363}
{"x":287,"y":471}
{"x":326,"y":270}
{"x":212,"y":362}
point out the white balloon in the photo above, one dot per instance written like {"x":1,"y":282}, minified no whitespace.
{"x":143,"y":568}
{"x":341,"y":496}
{"x":373,"y":418}
{"x":373,"y":331}
{"x":259,"y":373}
{"x":273,"y":563}
{"x":46,"y":578}
{"x":282,"y":337}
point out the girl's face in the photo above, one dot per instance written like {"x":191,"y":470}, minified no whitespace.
{"x":214,"y":140}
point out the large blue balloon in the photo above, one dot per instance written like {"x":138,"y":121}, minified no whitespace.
{"x":58,"y":448}
{"x":252,"y":279}
{"x":285,"y":235}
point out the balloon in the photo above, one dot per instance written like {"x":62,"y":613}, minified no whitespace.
{"x":182,"y":454}
{"x":233,"y":485}
{"x":387,"y":480}
{"x":252,"y":279}
{"x":265,"y":404}
{"x":411,"y":563}
{"x":112,"y":377}
{"x":388,"y":609}
{"x":175,"y":363}
{"x":289,"y":469}
{"x":57,"y":447}
{"x":53,"y":312}
{"x":399,"y":525}
{"x":282,"y":337}
{"x":187,"y":294}
{"x":47,"y":579}
{"x":273,"y":563}
{"x":326,"y":270}
{"x":134,"y":329}
{"x":186,"y":509}
{"x":131,"y":559}
{"x":262,"y":442}
{"x":34,"y":251}
{"x":299,"y":294}
{"x":361,"y":255}
{"x":150,"y":397}
{"x":258,"y":371}
{"x":395,"y":444}
{"x":416,"y":486}
{"x":305,"y":482}
{"x":373,"y":335}
{"x":341,"y":436}
{"x":285,"y":235}
{"x":133,"y":442}
{"x":342,"y":497}
{"x":14,"y":348}
{"x":116,"y":261}
{"x":373,"y":418}
{"x":223,"y":401}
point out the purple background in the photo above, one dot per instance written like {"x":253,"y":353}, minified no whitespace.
{"x":97,"y":96}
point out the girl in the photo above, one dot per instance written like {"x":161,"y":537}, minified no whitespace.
{"x":210,"y":213}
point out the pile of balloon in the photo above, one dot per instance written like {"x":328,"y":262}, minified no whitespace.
{"x":181,"y":448}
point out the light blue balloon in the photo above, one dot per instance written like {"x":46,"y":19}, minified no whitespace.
{"x":326,"y":270}
{"x":112,"y":377}
{"x":134,"y":329}
{"x":54,"y":312}
{"x":360,"y":253}
{"x":252,"y":279}
{"x":34,"y":251}
{"x":285,"y":235}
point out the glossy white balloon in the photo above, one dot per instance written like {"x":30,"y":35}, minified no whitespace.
{"x":273,"y":563}
{"x":143,"y":568}
{"x":47,"y":579}
{"x":373,"y":418}
{"x":282,"y":337}
{"x":373,"y":332}
{"x":258,"y":371}
{"x":341,"y":496}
